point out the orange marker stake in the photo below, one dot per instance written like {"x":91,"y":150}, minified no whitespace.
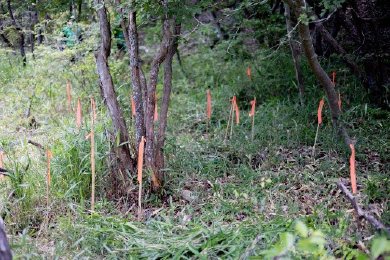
{"x":339,"y":101}
{"x":1,"y":164}
{"x":48,"y":156}
{"x":140,"y":166}
{"x":132,"y":105}
{"x":319,"y":122}
{"x":252,"y":114}
{"x":69,"y":96}
{"x":208,"y":110}
{"x":248,"y":71}
{"x":155,"y":109}
{"x":352,"y":169}
{"x":235,"y":108}
{"x":79,"y":115}
{"x":92,"y":136}
{"x":333,"y":77}
{"x":208,"y":104}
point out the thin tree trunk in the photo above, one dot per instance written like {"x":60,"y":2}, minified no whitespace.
{"x":135,"y":75}
{"x":125,"y":162}
{"x":20,"y":32}
{"x":295,"y":54}
{"x":162,"y":123}
{"x":151,"y":98}
{"x":307,"y":45}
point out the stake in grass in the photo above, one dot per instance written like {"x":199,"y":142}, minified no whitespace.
{"x":352,"y":169}
{"x":140,"y":166}
{"x":132,"y":107}
{"x":69,"y":96}
{"x":79,"y":116}
{"x":252,"y":114}
{"x":319,"y":122}
{"x":48,"y":157}
{"x":92,"y":136}
{"x":208,"y":109}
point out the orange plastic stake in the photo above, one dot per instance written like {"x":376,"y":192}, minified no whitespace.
{"x":333,"y":77}
{"x":352,"y":169}
{"x":248,"y":71}
{"x":253,"y":103}
{"x":318,"y":125}
{"x":339,"y":101}
{"x":132,"y":105}
{"x":235,"y":107}
{"x":155,"y":109}
{"x":93,"y":108}
{"x":140,"y":158}
{"x":48,"y":156}
{"x":69,"y":96}
{"x":1,"y":164}
{"x":79,"y":115}
{"x":208,"y":104}
{"x":319,"y":111}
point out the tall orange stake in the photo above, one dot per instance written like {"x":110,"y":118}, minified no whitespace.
{"x":252,"y":114}
{"x":1,"y":164}
{"x":333,"y":77}
{"x":155,"y":109}
{"x":319,"y":111}
{"x":339,"y":101}
{"x":48,"y":157}
{"x":352,"y":169}
{"x":69,"y":96}
{"x":248,"y":71}
{"x":92,"y":136}
{"x":208,"y":109}
{"x":140,"y":166}
{"x":79,"y":115}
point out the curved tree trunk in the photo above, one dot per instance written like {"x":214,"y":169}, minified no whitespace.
{"x":307,"y":45}
{"x":125,"y":162}
{"x":20,"y":32}
{"x":295,"y":54}
{"x":162,"y":123}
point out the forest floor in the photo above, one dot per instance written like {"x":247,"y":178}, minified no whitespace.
{"x":224,"y":198}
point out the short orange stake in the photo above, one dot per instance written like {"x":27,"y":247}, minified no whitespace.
{"x":252,"y":114}
{"x":92,"y":136}
{"x":319,"y":111}
{"x":155,"y":109}
{"x":79,"y":115}
{"x":140,"y":166}
{"x":48,"y":157}
{"x":248,"y":71}
{"x":69,"y":96}
{"x":352,"y":169}
{"x":208,"y":109}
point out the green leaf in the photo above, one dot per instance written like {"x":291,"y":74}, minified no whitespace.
{"x":301,"y":228}
{"x":379,"y":246}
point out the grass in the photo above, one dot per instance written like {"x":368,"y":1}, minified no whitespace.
{"x":239,"y":189}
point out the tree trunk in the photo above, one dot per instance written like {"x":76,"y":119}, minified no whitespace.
{"x":295,"y":54}
{"x":162,"y":123}
{"x":125,"y":162}
{"x":20,"y":32}
{"x":151,"y":97}
{"x":132,"y":47}
{"x":307,"y":45}
{"x":5,"y":251}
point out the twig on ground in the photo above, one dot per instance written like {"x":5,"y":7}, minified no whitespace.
{"x":361,"y":213}
{"x":38,"y":145}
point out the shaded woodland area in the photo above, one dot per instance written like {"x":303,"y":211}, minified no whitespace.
{"x":195,"y":129}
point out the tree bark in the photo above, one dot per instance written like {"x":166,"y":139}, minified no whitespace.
{"x":151,"y":98}
{"x":133,"y":50}
{"x":295,"y":54}
{"x":162,"y":123}
{"x":125,"y":162}
{"x":308,"y":49}
{"x":5,"y":251}
{"x":20,"y":32}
